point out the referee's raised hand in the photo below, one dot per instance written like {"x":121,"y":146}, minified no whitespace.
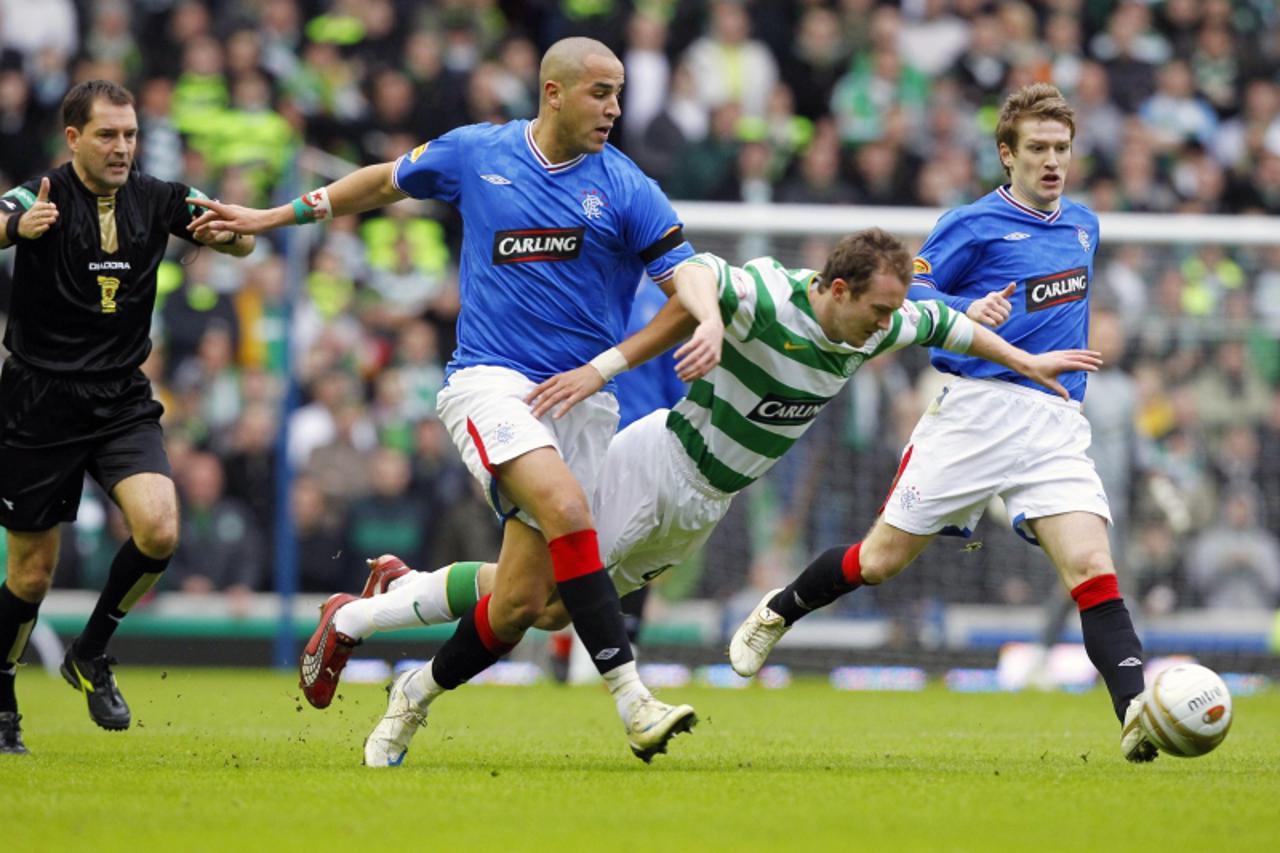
{"x":40,"y":217}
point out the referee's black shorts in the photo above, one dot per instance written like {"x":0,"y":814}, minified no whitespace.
{"x":55,"y":429}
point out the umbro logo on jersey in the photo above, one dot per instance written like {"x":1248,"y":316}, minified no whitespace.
{"x":1016,"y":235}
{"x":496,"y":180}
{"x":1130,"y":662}
{"x":1057,"y":289}
{"x":783,"y":411}
{"x":537,"y":244}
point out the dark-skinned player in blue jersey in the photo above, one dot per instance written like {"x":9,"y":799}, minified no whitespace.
{"x":558,"y":228}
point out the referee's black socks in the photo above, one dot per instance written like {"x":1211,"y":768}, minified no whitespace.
{"x":17,"y":618}
{"x":132,"y":575}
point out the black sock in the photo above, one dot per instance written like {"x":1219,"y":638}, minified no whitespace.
{"x":466,"y":654}
{"x":592,"y":602}
{"x":822,"y":582}
{"x":17,"y":618}
{"x":132,"y":574}
{"x":1115,"y":650}
{"x":632,"y":605}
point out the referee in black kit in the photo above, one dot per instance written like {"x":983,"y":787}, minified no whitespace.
{"x":89,"y":237}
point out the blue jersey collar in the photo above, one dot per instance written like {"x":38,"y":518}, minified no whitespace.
{"x":552,"y":168}
{"x":1050,"y":218}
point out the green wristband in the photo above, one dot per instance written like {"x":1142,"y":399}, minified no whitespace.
{"x":301,"y":213}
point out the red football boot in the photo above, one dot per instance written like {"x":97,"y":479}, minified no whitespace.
{"x":325,"y":654}
{"x":382,"y":571}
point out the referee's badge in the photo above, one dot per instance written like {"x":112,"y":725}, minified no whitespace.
{"x":108,"y":285}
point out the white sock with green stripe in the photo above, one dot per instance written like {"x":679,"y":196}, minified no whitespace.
{"x":420,"y":598}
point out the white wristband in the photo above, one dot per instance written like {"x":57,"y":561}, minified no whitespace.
{"x":610,"y":363}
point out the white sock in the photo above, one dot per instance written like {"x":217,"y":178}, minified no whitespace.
{"x":420,"y":688}
{"x":407,"y":577}
{"x":626,"y":688}
{"x":418,"y":598}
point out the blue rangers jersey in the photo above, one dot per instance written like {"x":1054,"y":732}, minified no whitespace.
{"x":982,"y":247}
{"x":551,"y":252}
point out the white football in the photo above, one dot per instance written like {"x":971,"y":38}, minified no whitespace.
{"x":1187,"y":711}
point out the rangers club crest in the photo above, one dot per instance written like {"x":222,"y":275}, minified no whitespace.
{"x":593,"y":204}
{"x":1083,"y":236}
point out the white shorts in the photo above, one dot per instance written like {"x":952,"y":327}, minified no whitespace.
{"x":486,"y":415}
{"x":984,"y":437}
{"x":653,"y":508}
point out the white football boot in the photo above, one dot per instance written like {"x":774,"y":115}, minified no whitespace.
{"x":388,"y":743}
{"x":1134,"y":743}
{"x":756,"y":637}
{"x":653,"y":723}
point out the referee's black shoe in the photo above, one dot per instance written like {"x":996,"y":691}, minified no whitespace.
{"x":11,"y":734}
{"x":93,"y":678}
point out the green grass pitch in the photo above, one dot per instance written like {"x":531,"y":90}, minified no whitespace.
{"x":234,"y":760}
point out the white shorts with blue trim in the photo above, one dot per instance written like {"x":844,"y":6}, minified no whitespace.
{"x":984,"y":437}
{"x":653,"y":509}
{"x":484,"y":410}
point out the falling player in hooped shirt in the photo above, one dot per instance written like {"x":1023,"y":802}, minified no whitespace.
{"x":558,"y":228}
{"x":793,"y":339}
{"x":1020,"y":259}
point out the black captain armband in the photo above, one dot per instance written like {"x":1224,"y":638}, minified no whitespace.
{"x":662,"y":245}
{"x":11,"y":227}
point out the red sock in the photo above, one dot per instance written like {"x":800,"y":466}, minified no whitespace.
{"x":491,"y":641}
{"x":1096,"y":591}
{"x":574,"y":555}
{"x":588,"y":594}
{"x":851,"y":565}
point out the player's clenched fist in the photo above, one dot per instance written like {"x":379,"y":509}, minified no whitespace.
{"x":40,"y":217}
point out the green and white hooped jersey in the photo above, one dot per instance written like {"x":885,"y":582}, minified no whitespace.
{"x":778,"y":369}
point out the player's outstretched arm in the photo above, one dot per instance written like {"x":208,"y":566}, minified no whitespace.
{"x":696,"y":289}
{"x":363,"y":189}
{"x":1042,"y":368}
{"x":695,"y":309}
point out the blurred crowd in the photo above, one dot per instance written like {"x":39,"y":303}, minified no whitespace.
{"x":840,"y":102}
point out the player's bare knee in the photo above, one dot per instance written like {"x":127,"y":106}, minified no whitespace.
{"x":880,"y":560}
{"x":30,"y":586}
{"x":1087,"y":565}
{"x":157,"y":538}
{"x":563,"y":513}
{"x":31,"y":575}
{"x":880,"y":568}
